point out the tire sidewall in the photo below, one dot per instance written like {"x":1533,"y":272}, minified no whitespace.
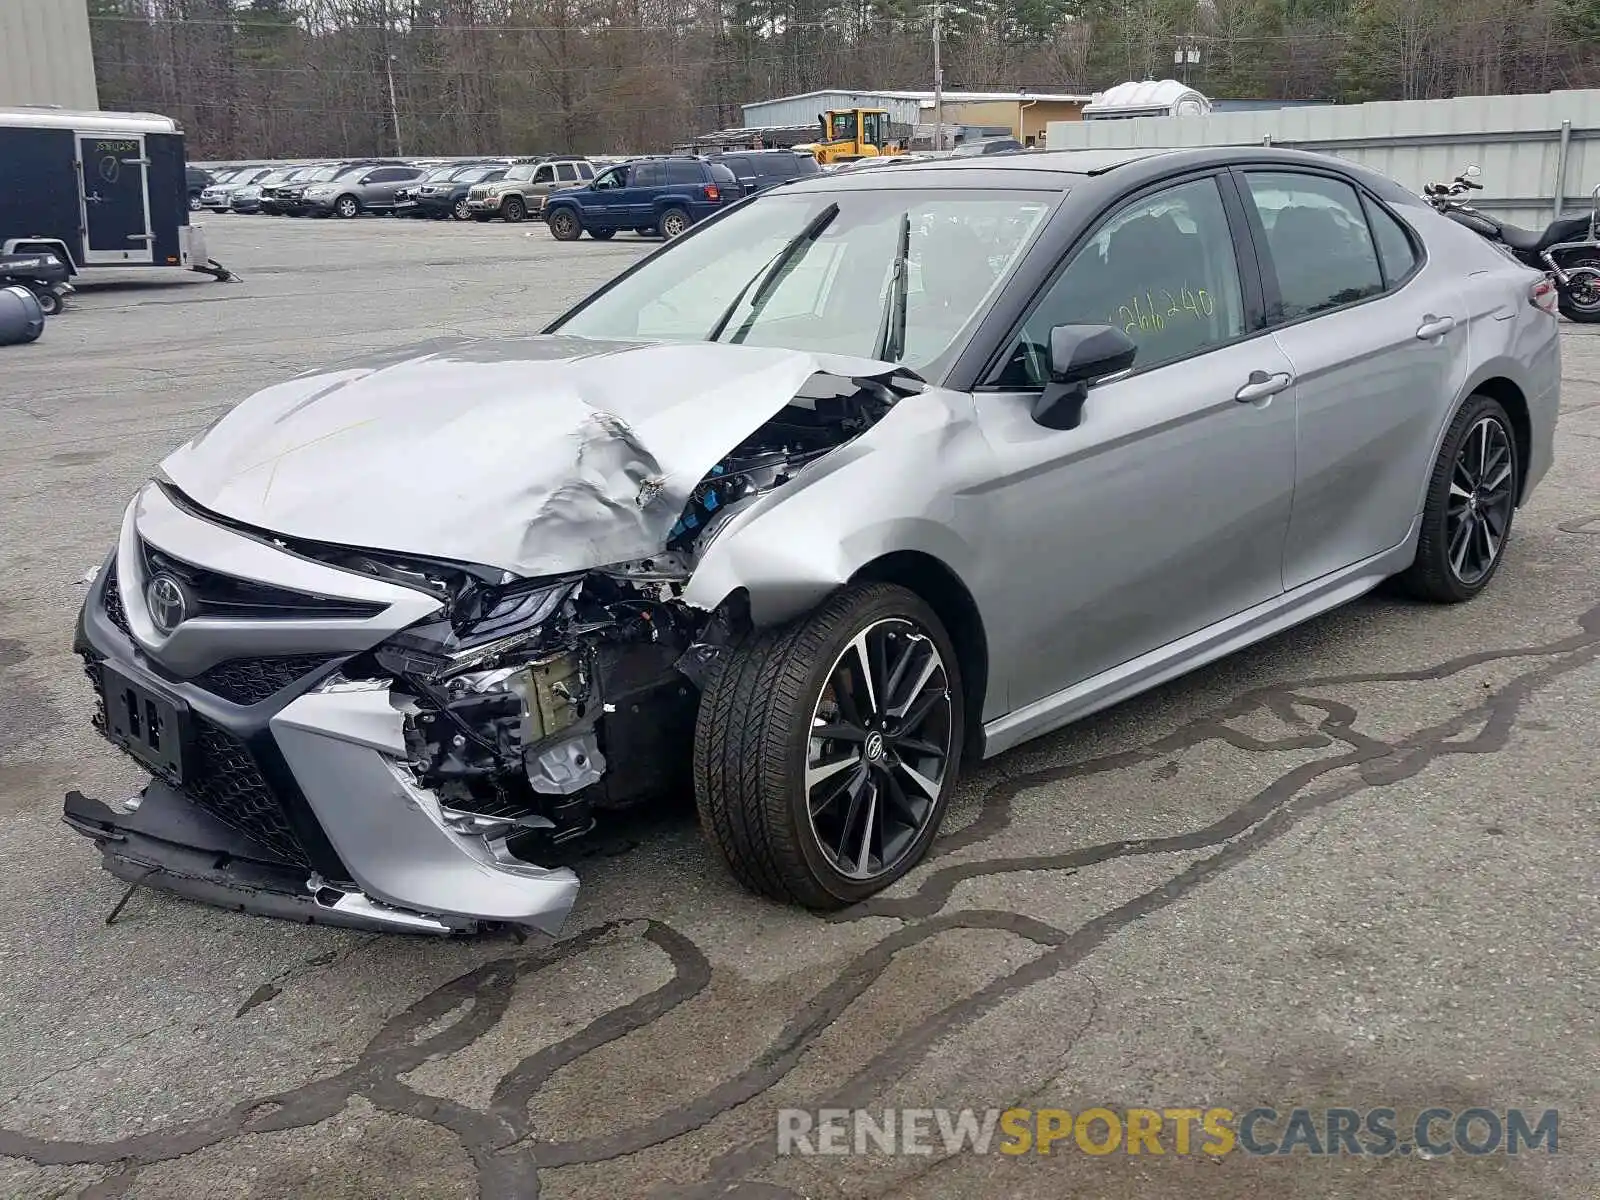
{"x":1477,"y":407}
{"x":1569,"y":310}
{"x":513,"y":209}
{"x":662,"y":226}
{"x":347,"y":207}
{"x":565,"y":226}
{"x":888,"y":602}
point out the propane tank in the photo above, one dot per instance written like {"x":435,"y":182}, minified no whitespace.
{"x":21,"y":318}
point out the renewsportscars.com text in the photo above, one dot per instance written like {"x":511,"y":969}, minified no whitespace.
{"x":1261,"y":1131}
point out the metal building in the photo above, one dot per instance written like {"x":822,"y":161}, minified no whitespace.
{"x":45,"y":55}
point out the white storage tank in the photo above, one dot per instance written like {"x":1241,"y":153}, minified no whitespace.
{"x":1147,"y":98}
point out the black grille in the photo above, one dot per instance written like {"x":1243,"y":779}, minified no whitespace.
{"x":113,"y":602}
{"x":227,"y":783}
{"x":222,"y":595}
{"x":252,"y":680}
{"x":221,"y":777}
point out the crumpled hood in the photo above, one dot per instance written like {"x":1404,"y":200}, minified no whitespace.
{"x":537,"y":455}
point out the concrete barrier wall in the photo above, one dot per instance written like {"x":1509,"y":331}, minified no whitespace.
{"x":1540,"y":154}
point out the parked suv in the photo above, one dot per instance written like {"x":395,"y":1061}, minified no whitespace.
{"x":757,"y":170}
{"x":444,"y":194}
{"x":359,"y":188}
{"x":526,"y":186}
{"x":195,"y":181}
{"x":274,"y":191}
{"x":649,"y":195}
{"x":218,"y":195}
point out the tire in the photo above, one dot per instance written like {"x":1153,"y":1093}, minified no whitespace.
{"x":754,"y":741}
{"x":1583,"y":305}
{"x":601,"y":235}
{"x":460,"y":211}
{"x":672,"y":223}
{"x":484,"y":217}
{"x":1463,"y":493}
{"x":194,"y":201}
{"x":645,"y":231}
{"x":514,"y":209}
{"x":49,"y":302}
{"x":347,"y":207}
{"x":564,"y":225}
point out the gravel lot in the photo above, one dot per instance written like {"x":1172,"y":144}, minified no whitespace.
{"x":1352,"y":867}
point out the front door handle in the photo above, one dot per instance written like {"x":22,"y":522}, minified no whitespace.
{"x":1262,"y":385}
{"x":1433,"y":327}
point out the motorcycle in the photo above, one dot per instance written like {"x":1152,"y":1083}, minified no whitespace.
{"x":1567,"y":250}
{"x":42,"y":273}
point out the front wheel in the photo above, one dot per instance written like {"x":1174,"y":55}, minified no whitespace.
{"x":194,"y":202}
{"x":461,"y":212}
{"x":672,"y":223}
{"x":1580,"y":300}
{"x":347,"y":207}
{"x":564,"y":225}
{"x":601,"y":235}
{"x":1471,"y":500}
{"x":826,"y":752}
{"x":49,"y":302}
{"x":513,"y":209}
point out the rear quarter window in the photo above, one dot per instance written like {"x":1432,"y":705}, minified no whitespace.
{"x":684,"y":172}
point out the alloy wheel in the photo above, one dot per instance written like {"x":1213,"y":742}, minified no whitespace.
{"x":348,"y":207}
{"x":1479,"y":509}
{"x":880,"y":746}
{"x":673,"y":224}
{"x":462,"y":212}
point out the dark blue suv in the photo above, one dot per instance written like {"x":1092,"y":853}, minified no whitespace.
{"x":648,"y":195}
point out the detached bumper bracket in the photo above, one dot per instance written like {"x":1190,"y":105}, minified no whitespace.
{"x":170,"y":845}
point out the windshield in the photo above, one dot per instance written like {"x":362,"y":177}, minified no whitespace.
{"x":522,"y":171}
{"x":439,"y":174}
{"x":474,"y":174}
{"x":833,"y":291}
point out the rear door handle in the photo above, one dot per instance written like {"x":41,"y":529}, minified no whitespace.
{"x":1433,"y":327}
{"x":1262,"y":385}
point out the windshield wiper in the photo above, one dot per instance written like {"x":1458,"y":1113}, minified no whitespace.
{"x":891,"y":343}
{"x":767,"y":281}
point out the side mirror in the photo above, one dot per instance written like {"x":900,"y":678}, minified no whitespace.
{"x":1080,"y":356}
{"x":1472,"y":171}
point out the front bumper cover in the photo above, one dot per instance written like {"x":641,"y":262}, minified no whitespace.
{"x":320,"y":764}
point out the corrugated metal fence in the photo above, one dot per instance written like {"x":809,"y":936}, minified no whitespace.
{"x":1540,"y":155}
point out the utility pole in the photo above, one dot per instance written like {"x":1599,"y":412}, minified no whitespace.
{"x":388,"y":70}
{"x":938,"y":81}
{"x":394,"y":108}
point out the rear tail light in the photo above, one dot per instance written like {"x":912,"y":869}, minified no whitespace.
{"x":1543,"y":296}
{"x":712,"y":191}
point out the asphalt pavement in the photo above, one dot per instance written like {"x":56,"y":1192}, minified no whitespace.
{"x":1352,"y":868}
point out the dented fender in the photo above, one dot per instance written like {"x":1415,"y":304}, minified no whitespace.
{"x":785,"y":549}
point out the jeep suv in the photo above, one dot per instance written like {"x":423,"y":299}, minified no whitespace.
{"x":522,"y":192}
{"x":648,"y":195}
{"x":757,"y":170}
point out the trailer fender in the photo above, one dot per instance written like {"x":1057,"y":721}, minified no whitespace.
{"x":35,"y":245}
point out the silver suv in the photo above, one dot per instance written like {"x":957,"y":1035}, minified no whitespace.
{"x":357,"y":190}
{"x":521,"y":194}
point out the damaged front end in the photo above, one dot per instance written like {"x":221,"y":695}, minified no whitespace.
{"x":427,"y":774}
{"x":534,"y":705}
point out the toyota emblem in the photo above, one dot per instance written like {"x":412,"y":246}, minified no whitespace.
{"x":167,"y":601}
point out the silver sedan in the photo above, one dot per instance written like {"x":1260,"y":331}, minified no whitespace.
{"x":863,"y":478}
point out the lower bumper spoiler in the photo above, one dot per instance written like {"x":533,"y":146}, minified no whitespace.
{"x":168,"y":844}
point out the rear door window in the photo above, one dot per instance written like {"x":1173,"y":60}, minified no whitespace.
{"x":1321,"y":248}
{"x":566,"y":172}
{"x":650,"y":174}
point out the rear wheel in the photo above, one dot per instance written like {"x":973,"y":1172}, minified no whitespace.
{"x":1580,"y":300}
{"x":564,"y":225}
{"x":513,"y":209}
{"x":645,"y":231}
{"x":1472,"y":498}
{"x":672,"y":223}
{"x":826,"y":751}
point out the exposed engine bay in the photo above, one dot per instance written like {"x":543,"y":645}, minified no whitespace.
{"x":531,"y":703}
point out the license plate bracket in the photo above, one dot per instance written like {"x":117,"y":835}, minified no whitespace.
{"x":152,"y":727}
